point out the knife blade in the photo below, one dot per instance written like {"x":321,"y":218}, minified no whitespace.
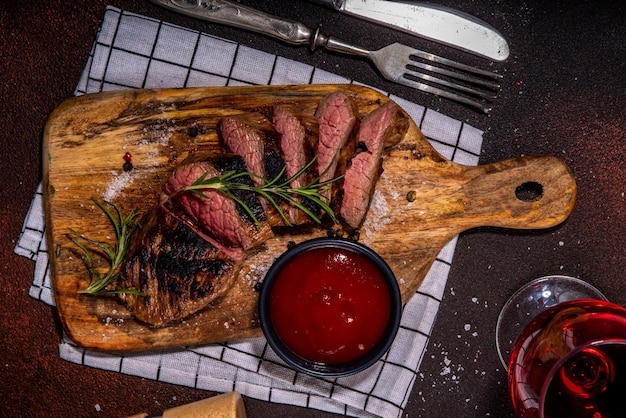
{"x":437,"y":23}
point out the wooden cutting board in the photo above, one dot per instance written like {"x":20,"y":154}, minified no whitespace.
{"x":85,"y":141}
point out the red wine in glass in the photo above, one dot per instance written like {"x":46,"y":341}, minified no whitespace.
{"x":570,"y":361}
{"x":532,"y":299}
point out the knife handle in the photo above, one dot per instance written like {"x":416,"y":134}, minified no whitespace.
{"x":233,"y":14}
{"x":290,"y":31}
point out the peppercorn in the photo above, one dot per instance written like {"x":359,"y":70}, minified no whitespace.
{"x":192,"y":131}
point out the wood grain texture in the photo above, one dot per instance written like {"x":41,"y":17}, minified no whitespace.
{"x":84,"y":143}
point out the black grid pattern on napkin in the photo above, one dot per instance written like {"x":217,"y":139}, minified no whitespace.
{"x":133,"y":51}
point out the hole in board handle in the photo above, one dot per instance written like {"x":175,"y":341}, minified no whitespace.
{"x":529,"y":192}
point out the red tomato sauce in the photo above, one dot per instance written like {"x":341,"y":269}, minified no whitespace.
{"x":330,"y":305}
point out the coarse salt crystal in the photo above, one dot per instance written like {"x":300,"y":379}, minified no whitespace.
{"x":117,"y":184}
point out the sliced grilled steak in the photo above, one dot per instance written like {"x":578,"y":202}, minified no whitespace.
{"x":293,"y":143}
{"x":253,"y":137}
{"x":386,"y":125}
{"x":337,"y":117}
{"x":298,"y":150}
{"x":190,"y":247}
{"x":214,"y":213}
{"x":176,"y":269}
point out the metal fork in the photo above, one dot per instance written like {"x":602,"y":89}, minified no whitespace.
{"x":397,"y":62}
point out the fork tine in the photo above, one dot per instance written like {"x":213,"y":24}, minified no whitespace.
{"x":461,"y":87}
{"x":454,"y":64}
{"x":490,"y":84}
{"x":397,"y":62}
{"x":477,"y":103}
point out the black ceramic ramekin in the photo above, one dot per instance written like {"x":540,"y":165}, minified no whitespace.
{"x":321,"y":369}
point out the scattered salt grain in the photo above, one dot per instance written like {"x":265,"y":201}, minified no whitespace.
{"x":378,"y":214}
{"x":467,"y":327}
{"x":117,"y":184}
{"x":97,"y":407}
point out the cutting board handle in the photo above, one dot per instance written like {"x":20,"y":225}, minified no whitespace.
{"x":526,"y":192}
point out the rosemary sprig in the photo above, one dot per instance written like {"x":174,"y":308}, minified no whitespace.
{"x":124,"y":228}
{"x":273,"y":190}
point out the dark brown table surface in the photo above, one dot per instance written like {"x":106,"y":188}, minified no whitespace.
{"x":564,"y":94}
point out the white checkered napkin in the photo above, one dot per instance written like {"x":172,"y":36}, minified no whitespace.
{"x":133,"y":51}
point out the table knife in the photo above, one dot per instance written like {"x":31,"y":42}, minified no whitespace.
{"x":437,"y":23}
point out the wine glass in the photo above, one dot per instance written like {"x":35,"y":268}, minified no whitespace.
{"x":532,"y":299}
{"x":570,"y":359}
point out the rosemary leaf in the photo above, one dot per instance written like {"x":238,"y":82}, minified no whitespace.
{"x":245,"y":207}
{"x":124,"y":226}
{"x":273,"y":190}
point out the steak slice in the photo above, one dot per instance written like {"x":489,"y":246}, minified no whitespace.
{"x":298,"y":150}
{"x":386,"y":125}
{"x":177,"y":271}
{"x":337,"y":117}
{"x":253,"y":138}
{"x":247,"y":135}
{"x":215,"y":213}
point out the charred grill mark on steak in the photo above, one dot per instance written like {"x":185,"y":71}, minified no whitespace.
{"x":386,"y":124}
{"x":173,"y":209}
{"x":175,"y":268}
